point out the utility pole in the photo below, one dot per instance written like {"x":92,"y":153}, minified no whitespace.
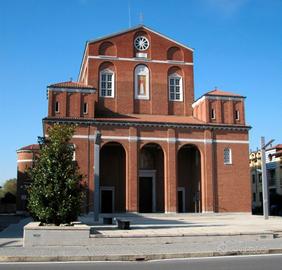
{"x":97,"y":142}
{"x":264,"y":178}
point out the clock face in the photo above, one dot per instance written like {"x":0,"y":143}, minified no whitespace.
{"x":141,"y":43}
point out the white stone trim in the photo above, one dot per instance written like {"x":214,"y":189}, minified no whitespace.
{"x":116,"y":138}
{"x":115,"y":58}
{"x":171,"y":140}
{"x":205,"y":141}
{"x":152,"y":139}
{"x":231,"y":141}
{"x":24,"y":160}
{"x":157,"y":139}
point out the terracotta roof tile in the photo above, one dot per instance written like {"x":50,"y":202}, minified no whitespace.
{"x":30,"y":147}
{"x":217,"y":92}
{"x":71,"y":84}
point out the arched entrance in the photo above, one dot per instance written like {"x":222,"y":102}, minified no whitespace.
{"x":112,"y":178}
{"x":151,"y":179}
{"x":189,"y":179}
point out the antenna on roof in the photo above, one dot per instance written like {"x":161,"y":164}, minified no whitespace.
{"x":129,"y":14}
{"x":141,"y":18}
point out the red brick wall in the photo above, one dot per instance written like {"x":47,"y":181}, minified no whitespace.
{"x":160,"y":49}
{"x":225,"y":111}
{"x":224,"y":187}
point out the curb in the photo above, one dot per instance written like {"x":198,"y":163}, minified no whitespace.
{"x":261,"y":235}
{"x":147,"y":257}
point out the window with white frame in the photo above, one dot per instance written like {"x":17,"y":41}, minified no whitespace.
{"x":107,"y":83}
{"x":175,"y":87}
{"x":142,"y":82}
{"x":227,"y":156}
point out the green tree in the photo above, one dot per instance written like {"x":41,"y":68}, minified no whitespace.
{"x":55,"y":192}
{"x":10,"y":186}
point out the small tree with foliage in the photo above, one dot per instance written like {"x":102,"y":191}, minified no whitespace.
{"x":55,"y":193}
{"x":10,"y":186}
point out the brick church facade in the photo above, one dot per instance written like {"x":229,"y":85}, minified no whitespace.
{"x":161,"y":150}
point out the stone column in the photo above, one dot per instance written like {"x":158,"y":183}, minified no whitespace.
{"x":132,"y":168}
{"x":170,"y":176}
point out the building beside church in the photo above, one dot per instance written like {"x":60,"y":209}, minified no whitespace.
{"x":162,"y":150}
{"x":273,"y":156}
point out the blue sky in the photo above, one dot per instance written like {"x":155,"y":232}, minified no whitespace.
{"x":238,"y":47}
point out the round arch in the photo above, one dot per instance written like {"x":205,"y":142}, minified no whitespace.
{"x":189,"y":180}
{"x":107,"y":48}
{"x":151,"y":178}
{"x":175,"y":53}
{"x":112,"y":177}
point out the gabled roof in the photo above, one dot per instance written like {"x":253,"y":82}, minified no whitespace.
{"x":217,"y":92}
{"x":138,"y":27}
{"x":71,"y":84}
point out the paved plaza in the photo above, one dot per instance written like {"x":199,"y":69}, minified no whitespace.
{"x":157,"y":236}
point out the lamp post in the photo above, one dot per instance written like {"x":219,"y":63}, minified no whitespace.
{"x":264,"y":178}
{"x":97,"y":142}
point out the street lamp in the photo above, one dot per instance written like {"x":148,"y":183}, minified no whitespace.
{"x":264,"y":178}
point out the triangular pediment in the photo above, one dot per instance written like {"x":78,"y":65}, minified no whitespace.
{"x":139,"y":27}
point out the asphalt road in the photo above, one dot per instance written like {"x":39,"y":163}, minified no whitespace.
{"x":262,"y":262}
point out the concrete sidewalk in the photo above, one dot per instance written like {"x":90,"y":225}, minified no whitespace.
{"x":204,"y":235}
{"x":159,"y":225}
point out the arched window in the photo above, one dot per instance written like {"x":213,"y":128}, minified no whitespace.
{"x":141,"y":79}
{"x":175,"y":87}
{"x":107,"y":83}
{"x":227,"y":156}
